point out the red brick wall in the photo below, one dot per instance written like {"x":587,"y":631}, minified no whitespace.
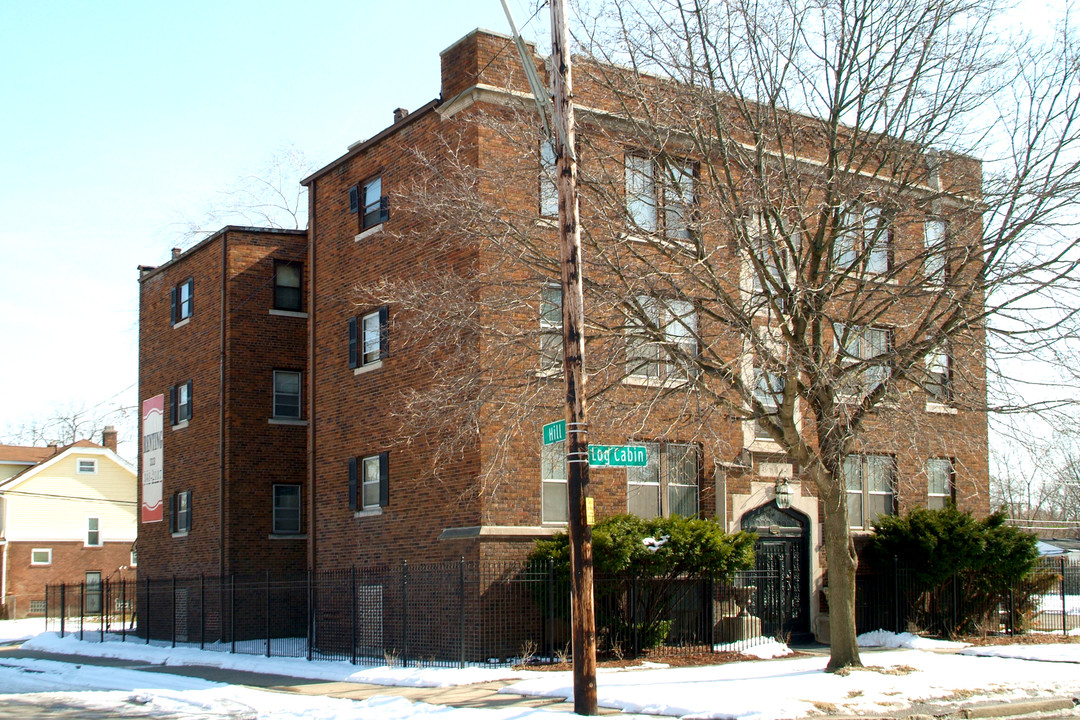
{"x":70,"y":563}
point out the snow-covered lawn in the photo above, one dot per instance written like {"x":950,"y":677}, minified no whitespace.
{"x":755,"y":690}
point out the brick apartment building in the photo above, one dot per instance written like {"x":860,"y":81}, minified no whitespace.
{"x":222,"y":355}
{"x":378,"y":492}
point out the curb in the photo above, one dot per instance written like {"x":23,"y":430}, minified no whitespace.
{"x":996,"y":710}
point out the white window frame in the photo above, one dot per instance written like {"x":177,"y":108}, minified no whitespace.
{"x":864,"y":342}
{"x":288,"y":265}
{"x":370,"y":477}
{"x":371,"y":203}
{"x":41,"y":563}
{"x":279,"y":394}
{"x":180,"y":521}
{"x":92,"y":466}
{"x":549,"y":188}
{"x":679,"y":199}
{"x":938,"y":494}
{"x":279,"y":510}
{"x":938,"y":377}
{"x":551,"y":335}
{"x":553,"y":484}
{"x":935,"y":240}
{"x":640,"y":188}
{"x":93,"y":530}
{"x":860,"y":487}
{"x":370,"y":339}
{"x":660,"y":477}
{"x":768,"y":390}
{"x":864,"y":233}
{"x":646,"y":358}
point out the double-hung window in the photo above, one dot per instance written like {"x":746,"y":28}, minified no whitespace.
{"x":869,"y":345}
{"x":287,"y":394}
{"x":938,"y":376}
{"x":180,"y":401}
{"x":368,"y":201}
{"x":549,"y":189}
{"x":934,"y":261}
{"x":286,"y":509}
{"x":661,"y":340}
{"x":180,"y":512}
{"x":93,"y":532}
{"x":864,"y":236}
{"x":667,"y":485}
{"x":287,"y":285}
{"x":369,"y":482}
{"x":940,"y":483}
{"x":368,"y":338}
{"x":551,"y":336}
{"x":768,"y":391}
{"x":182,"y":301}
{"x":553,"y":482}
{"x":871,"y":488}
{"x":652,"y":187}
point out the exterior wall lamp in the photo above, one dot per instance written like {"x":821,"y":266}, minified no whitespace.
{"x":783,"y":493}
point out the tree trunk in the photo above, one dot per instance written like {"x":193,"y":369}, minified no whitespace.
{"x":842,"y":563}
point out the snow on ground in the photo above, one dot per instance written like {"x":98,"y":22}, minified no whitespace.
{"x":18,"y":630}
{"x":886,"y":639}
{"x":753,"y":690}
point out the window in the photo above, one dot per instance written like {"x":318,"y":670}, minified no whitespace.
{"x":180,"y":512}
{"x":369,"y":482}
{"x":287,"y":288}
{"x":938,"y":377}
{"x":644,"y":194}
{"x":286,"y":394}
{"x":553,"y":482}
{"x":86,"y":466}
{"x":181,"y":301}
{"x":37,"y":607}
{"x":865,"y":344}
{"x":667,"y":485}
{"x":549,"y":189}
{"x":368,"y":201}
{"x":180,"y":403}
{"x":863,"y":236}
{"x":768,"y":390}
{"x":368,"y":339}
{"x":93,"y":532}
{"x":134,"y":557}
{"x":870,"y":482}
{"x":647,"y":356}
{"x":551,"y":336}
{"x":286,"y":509}
{"x":934,"y":237}
{"x":940,"y":483}
{"x":41,"y":556}
{"x":92,"y":593}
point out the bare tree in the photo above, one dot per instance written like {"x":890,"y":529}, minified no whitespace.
{"x":786,"y":232}
{"x":69,"y":422}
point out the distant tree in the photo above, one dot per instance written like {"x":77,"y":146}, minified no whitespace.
{"x":68,"y":422}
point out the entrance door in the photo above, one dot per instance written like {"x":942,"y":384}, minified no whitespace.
{"x":92,"y":602}
{"x":782,"y":557}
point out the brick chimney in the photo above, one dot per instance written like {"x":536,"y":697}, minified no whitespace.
{"x":176,"y":252}
{"x":400,"y":114}
{"x":108,"y":437}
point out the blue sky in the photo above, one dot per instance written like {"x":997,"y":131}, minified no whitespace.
{"x":121,"y":119}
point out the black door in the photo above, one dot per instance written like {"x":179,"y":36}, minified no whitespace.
{"x":782,"y":558}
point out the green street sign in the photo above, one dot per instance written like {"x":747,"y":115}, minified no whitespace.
{"x":554,"y":432}
{"x":617,"y":456}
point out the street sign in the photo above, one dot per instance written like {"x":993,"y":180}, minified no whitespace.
{"x":554,"y":432}
{"x":617,"y":456}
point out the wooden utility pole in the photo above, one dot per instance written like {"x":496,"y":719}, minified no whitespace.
{"x":573,"y":317}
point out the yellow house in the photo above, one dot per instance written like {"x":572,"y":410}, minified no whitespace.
{"x":67,"y":514}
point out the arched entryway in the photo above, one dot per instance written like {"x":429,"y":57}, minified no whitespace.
{"x":783,"y":551}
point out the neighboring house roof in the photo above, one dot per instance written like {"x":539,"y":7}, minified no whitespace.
{"x":1060,"y":545}
{"x":54,"y":454}
{"x":24,"y":454}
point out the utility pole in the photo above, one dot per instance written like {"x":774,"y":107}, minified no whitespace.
{"x":573,"y":317}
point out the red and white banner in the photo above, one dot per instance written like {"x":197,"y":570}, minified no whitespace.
{"x":153,"y":414}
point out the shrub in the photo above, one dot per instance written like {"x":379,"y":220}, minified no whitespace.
{"x":647,"y":580}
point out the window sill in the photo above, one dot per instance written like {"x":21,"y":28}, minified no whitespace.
{"x":182,"y":323}
{"x":99,"y":545}
{"x":652,"y":382}
{"x":373,"y":230}
{"x":367,"y":368}
{"x":296,"y":422}
{"x":180,"y":425}
{"x":940,"y":408}
{"x":288,"y":536}
{"x":548,"y":221}
{"x":288,"y":313}
{"x":40,"y":565}
{"x":367,"y":512}
{"x":183,"y":534}
{"x":555,"y":373}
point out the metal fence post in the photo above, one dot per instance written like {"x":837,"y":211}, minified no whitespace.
{"x":267,"y":613}
{"x":461,"y":612}
{"x":202,"y":611}
{"x":551,"y":610}
{"x":232,"y":613}
{"x":354,"y":614}
{"x":103,"y":616}
{"x":147,"y":611}
{"x":123,"y":610}
{"x":82,"y":610}
{"x":1012,"y":620}
{"x":310,"y":615}
{"x":634,"y":615}
{"x":405,"y":613}
{"x":896,"y":593}
{"x":63,"y":606}
{"x":1064,"y":617}
{"x":174,"y":611}
{"x":710,"y":613}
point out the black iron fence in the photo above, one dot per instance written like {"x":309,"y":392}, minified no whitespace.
{"x":1046,"y":600}
{"x":449,"y":614}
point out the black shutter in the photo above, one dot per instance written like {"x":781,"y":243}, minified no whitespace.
{"x":190,"y":401}
{"x":173,"y":310}
{"x":353,"y":490}
{"x":172,"y":515}
{"x":354,"y":199}
{"x":191,"y":296}
{"x":384,"y":334}
{"x":354,"y":338}
{"x":190,"y":511}
{"x":172,"y":405}
{"x":384,"y":479}
{"x":384,"y":208}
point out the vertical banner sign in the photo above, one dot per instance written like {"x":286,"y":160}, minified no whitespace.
{"x":153,"y":411}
